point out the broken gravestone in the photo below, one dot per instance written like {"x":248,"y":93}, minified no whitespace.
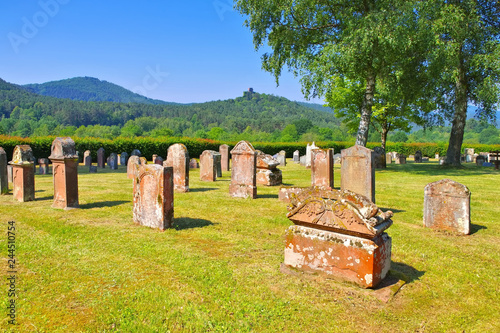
{"x":267,"y":172}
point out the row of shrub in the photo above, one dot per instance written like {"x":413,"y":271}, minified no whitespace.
{"x":148,"y":146}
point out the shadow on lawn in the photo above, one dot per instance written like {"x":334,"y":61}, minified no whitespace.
{"x":440,"y":170}
{"x":476,"y":227}
{"x":202,"y":189}
{"x":267,"y":196}
{"x":409,"y":274}
{"x":182,"y":223}
{"x":384,"y":209}
{"x":102,"y":204}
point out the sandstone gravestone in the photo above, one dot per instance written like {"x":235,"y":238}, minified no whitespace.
{"x":339,"y":234}
{"x":4,"y":181}
{"x":379,"y":158}
{"x":154,"y":196}
{"x":267,"y":172}
{"x":113,"y":161}
{"x":178,"y":158}
{"x":322,"y":168}
{"x":65,"y":170}
{"x":357,"y":172}
{"x":43,"y":168}
{"x":101,"y":158}
{"x":132,"y":166}
{"x":224,"y":157}
{"x":296,"y":156}
{"x":208,"y":168}
{"x":447,"y":206}
{"x":400,"y":158}
{"x":282,"y":158}
{"x":23,"y":175}
{"x":418,"y":157}
{"x":243,"y":171}
{"x":87,"y":158}
{"x":123,"y":158}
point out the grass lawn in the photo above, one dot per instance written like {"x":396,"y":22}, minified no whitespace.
{"x":92,"y":269}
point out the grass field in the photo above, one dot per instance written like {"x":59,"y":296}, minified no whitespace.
{"x":93,"y":270}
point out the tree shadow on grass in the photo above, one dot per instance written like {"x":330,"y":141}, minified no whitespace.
{"x":406,"y":272}
{"x":202,"y":189}
{"x":442,"y":170}
{"x":103,"y":204}
{"x":182,"y":223}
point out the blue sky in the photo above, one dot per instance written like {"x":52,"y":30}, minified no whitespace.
{"x":178,"y":51}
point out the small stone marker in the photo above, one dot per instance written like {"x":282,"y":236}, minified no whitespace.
{"x":193,"y":164}
{"x":136,"y":152}
{"x":400,"y":158}
{"x":92,"y":169}
{"x":338,"y":234}
{"x":208,"y":168}
{"x":442,"y":160}
{"x":4,"y":181}
{"x":224,"y":157}
{"x":23,"y":175}
{"x":322,"y":168}
{"x":154,"y":196}
{"x":282,"y":158}
{"x":357,"y":171}
{"x":158,"y":160}
{"x":178,"y":158}
{"x":43,"y":168}
{"x":65,"y":170}
{"x":101,"y":158}
{"x":87,"y":158}
{"x":418,"y":157}
{"x":113,"y":161}
{"x":153,"y":159}
{"x":447,"y":206}
{"x":243,"y":171}
{"x":296,"y":156}
{"x":267,"y":172}
{"x":124,"y":158}
{"x":132,"y":165}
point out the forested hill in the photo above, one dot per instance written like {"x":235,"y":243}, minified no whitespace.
{"x":25,"y":111}
{"x":89,"y":89}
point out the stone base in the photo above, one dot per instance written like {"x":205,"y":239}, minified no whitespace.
{"x":269,"y":177}
{"x":243,"y":191}
{"x":358,"y":260}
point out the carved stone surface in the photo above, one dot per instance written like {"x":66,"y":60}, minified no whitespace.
{"x":22,"y":155}
{"x":23,"y":173}
{"x":43,"y":168}
{"x":124,"y":158}
{"x":322,"y":168}
{"x":358,"y":172}
{"x":154,"y":196}
{"x":296,"y":156}
{"x":208,"y":168}
{"x":65,"y":171}
{"x":418,"y":157}
{"x":224,"y":157}
{"x":132,"y":166}
{"x":379,"y":158}
{"x":87,"y":158}
{"x":267,"y":172}
{"x":243,"y":171}
{"x":113,"y":161}
{"x":178,"y":158}
{"x":101,"y":158}
{"x":287,"y":194}
{"x":4,"y":181}
{"x":447,"y":206}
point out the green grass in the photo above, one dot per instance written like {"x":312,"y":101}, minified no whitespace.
{"x":93,"y":269}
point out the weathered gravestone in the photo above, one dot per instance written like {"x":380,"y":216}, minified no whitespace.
{"x":218,"y":164}
{"x":469,"y":155}
{"x":339,"y":234}
{"x":178,"y":158}
{"x":442,"y":160}
{"x":302,"y":160}
{"x":153,"y":159}
{"x":296,"y":156}
{"x":267,"y":172}
{"x":92,"y":169}
{"x":322,"y":168}
{"x":193,"y":164}
{"x":101,"y":158}
{"x":379,"y":158}
{"x":123,"y":158}
{"x":159,"y":160}
{"x":282,"y":158}
{"x":153,"y":196}
{"x":43,"y":166}
{"x":113,"y":161}
{"x":309,"y":148}
{"x":400,"y":158}
{"x":132,"y":164}
{"x":418,"y":157}
{"x":208,"y":168}
{"x":447,"y":206}
{"x":243,"y":171}
{"x":224,"y":157}
{"x":23,"y":175}
{"x":65,"y":170}
{"x":4,"y":181}
{"x":388,"y":158}
{"x":87,"y":158}
{"x":357,"y":172}
{"x":136,"y":152}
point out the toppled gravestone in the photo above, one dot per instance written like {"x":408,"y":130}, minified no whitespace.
{"x":267,"y":172}
{"x":339,"y":234}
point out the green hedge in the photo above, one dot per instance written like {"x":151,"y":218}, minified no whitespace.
{"x":149,"y":146}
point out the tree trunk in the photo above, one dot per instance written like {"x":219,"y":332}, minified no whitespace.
{"x":366,"y":111}
{"x":458,"y":126}
{"x":385,"y":130}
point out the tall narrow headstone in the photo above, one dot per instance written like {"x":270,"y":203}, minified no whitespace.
{"x":388,"y":158}
{"x":357,"y":172}
{"x":87,"y":158}
{"x":65,"y":170}
{"x":208,"y":168}
{"x":296,"y":156}
{"x":418,"y":157}
{"x":113,"y":161}
{"x":154,"y":196}
{"x":101,"y":158}
{"x":224,"y":157}
{"x":178,"y":158}
{"x":123,"y":158}
{"x":243,"y":171}
{"x":469,"y":155}
{"x":43,"y":168}
{"x":4,"y":182}
{"x":322,"y":168}
{"x":132,"y":166}
{"x":218,"y":164}
{"x":23,"y":175}
{"x":282,"y":158}
{"x":447,"y":206}
{"x":400,"y":158}
{"x":379,"y":158}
